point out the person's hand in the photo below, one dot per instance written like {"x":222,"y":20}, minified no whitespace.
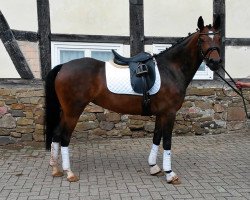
{"x":239,"y":84}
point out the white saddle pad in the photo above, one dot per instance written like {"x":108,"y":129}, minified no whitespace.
{"x":118,"y":80}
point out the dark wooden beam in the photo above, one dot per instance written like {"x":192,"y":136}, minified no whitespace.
{"x":136,"y":26}
{"x":161,"y":40}
{"x":44,"y":32}
{"x":13,"y":49}
{"x":25,"y":35}
{"x":237,"y":41}
{"x":219,"y":9}
{"x":89,"y":38}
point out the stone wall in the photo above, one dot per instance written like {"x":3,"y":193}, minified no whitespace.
{"x":208,"y":109}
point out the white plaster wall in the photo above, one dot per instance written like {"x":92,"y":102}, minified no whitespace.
{"x":238,"y":18}
{"x":7,"y":69}
{"x":238,"y":61}
{"x":176,"y":17}
{"x":94,"y":17}
{"x":20,"y":14}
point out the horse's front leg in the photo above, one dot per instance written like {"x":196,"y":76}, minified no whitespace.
{"x":163,"y":127}
{"x":167,"y":129}
{"x":154,"y":168}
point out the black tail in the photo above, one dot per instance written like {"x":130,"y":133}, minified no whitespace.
{"x":52,"y":106}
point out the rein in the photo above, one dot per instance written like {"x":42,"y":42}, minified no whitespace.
{"x":238,"y":91}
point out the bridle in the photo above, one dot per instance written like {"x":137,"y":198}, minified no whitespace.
{"x":206,"y":55}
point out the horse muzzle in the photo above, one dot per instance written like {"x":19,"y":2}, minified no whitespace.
{"x":214,"y":64}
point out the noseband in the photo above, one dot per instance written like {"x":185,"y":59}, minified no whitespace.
{"x":210,"y":49}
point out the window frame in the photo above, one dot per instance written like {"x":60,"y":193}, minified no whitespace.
{"x":199,"y":75}
{"x":56,"y":47}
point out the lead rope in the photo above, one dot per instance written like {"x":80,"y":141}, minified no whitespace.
{"x":239,"y":91}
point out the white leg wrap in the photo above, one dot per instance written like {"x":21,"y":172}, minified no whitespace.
{"x":167,"y":160}
{"x":65,"y":158}
{"x":54,"y":153}
{"x":153,"y":155}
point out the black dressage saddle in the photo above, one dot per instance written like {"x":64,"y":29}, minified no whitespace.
{"x":142,"y":75}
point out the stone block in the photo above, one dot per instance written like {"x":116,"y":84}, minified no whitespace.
{"x":4,"y":140}
{"x":200,"y":91}
{"x":107,"y":125}
{"x":94,"y":109}
{"x":3,"y":110}
{"x":87,"y":117}
{"x":16,"y":135}
{"x":113,"y":117}
{"x":27,"y":137}
{"x":38,"y":136}
{"x":5,"y":132}
{"x":236,"y":114}
{"x":203,"y":105}
{"x":137,"y":134}
{"x":182,"y":129}
{"x":121,"y":125}
{"x":149,"y":127}
{"x":7,"y":121}
{"x":17,"y":113}
{"x":17,"y":106}
{"x":218,"y":108}
{"x":22,"y":121}
{"x":25,"y":129}
{"x":99,"y":132}
{"x":126,"y":132}
{"x":83,"y":126}
{"x":2,"y":103}
{"x":235,"y":125}
{"x":136,"y":125}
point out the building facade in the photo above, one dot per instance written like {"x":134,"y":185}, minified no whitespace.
{"x":37,"y":35}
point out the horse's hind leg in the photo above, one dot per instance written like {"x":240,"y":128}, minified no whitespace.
{"x":68,"y":123}
{"x":56,"y":172}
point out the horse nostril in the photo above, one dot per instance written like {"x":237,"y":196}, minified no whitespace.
{"x":211,"y":60}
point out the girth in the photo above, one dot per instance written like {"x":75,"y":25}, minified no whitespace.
{"x":142,"y":75}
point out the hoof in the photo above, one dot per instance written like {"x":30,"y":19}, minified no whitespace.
{"x":155,"y":170}
{"x":175,"y":181}
{"x":57,"y":174}
{"x":172,"y":178}
{"x":73,"y":179}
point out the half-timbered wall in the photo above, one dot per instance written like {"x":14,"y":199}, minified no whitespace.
{"x":134,"y":22}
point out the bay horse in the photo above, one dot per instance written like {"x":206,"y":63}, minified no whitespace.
{"x":71,"y":86}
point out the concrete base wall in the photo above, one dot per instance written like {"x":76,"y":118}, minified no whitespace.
{"x":208,"y":109}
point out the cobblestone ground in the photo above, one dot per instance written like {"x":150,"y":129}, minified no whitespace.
{"x":210,"y":167}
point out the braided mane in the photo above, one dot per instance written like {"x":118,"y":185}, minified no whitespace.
{"x":175,"y":44}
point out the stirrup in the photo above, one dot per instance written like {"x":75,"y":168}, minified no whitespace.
{"x":141,"y":69}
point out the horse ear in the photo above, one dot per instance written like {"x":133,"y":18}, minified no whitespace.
{"x":200,"y":23}
{"x":217,"y":22}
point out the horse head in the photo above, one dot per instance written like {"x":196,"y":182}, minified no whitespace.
{"x":209,"y":43}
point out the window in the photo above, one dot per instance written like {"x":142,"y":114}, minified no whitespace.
{"x":203,"y":73}
{"x":65,"y":51}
